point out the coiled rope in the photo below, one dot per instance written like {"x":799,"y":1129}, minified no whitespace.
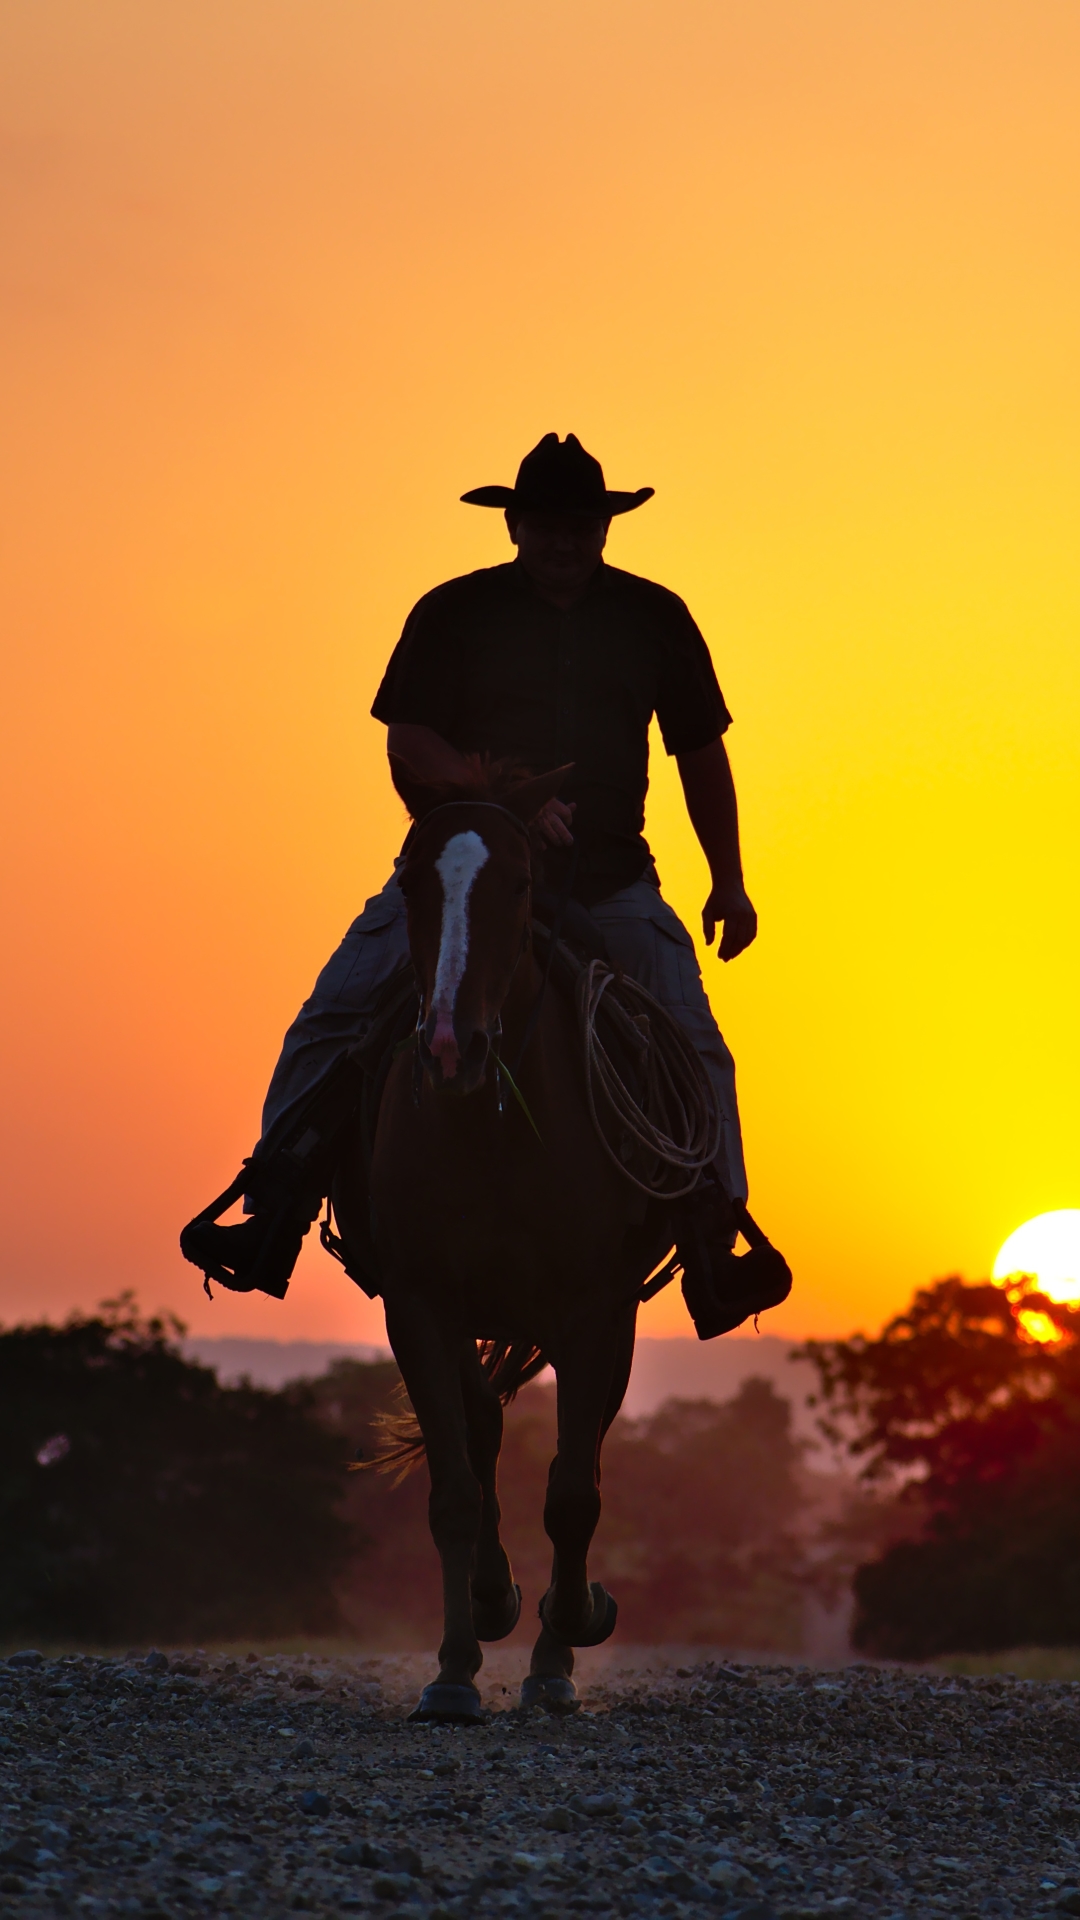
{"x":662,"y":1136}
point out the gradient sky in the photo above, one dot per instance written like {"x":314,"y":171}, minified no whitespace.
{"x":280,"y":279}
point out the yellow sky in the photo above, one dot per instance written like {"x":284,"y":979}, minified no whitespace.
{"x":279,"y":281}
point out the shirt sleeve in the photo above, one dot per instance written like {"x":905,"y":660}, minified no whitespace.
{"x":422,"y":683}
{"x":689,"y":704}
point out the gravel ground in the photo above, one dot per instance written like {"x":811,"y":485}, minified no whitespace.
{"x":186,"y":1785}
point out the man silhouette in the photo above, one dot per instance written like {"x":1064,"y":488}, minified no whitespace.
{"x":554,"y":657}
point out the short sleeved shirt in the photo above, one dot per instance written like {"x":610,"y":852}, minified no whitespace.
{"x":493,"y":667}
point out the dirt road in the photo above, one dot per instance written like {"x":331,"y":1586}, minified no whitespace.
{"x":180,"y":1785}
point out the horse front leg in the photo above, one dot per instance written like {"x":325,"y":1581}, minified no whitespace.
{"x":592,"y":1377}
{"x":430,"y":1368}
{"x":496,"y":1597}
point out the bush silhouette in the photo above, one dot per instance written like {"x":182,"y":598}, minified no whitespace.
{"x":140,"y":1500}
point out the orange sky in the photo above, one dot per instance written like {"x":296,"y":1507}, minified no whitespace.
{"x":280,"y":278}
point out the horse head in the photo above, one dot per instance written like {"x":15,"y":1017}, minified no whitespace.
{"x":466,"y":880}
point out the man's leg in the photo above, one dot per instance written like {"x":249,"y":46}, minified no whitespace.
{"x":649,"y":940}
{"x":340,"y":1007}
{"x":312,"y":1095}
{"x":721,"y":1291}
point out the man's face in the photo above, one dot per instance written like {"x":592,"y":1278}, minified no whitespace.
{"x":560,"y":551}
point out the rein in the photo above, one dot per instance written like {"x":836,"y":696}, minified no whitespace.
{"x":558,"y":917}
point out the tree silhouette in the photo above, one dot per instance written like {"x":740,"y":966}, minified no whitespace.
{"x":970,"y":1404}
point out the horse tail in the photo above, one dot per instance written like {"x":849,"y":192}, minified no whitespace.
{"x":507,"y":1365}
{"x":399,"y":1442}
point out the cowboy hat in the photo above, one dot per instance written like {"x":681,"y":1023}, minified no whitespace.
{"x":558,"y":476}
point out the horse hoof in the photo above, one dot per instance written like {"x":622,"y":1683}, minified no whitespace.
{"x":442,"y":1700}
{"x":493,"y":1620}
{"x":550,"y":1691}
{"x":605,"y":1612}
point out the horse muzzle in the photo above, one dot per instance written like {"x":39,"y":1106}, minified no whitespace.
{"x":450,"y":1065}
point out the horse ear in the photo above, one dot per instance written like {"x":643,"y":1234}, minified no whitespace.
{"x":527,"y":800}
{"x":418,"y":797}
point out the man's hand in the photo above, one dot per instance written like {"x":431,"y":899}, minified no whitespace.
{"x":731,"y":904}
{"x":710,"y":800}
{"x":553,"y":823}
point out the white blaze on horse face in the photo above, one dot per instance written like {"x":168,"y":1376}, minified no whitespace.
{"x":457,"y":867}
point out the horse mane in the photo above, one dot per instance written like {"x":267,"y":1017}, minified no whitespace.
{"x":487,"y":779}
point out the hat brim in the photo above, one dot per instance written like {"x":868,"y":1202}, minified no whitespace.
{"x":605,"y":506}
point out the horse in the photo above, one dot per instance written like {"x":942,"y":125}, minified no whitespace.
{"x":505,"y":1236}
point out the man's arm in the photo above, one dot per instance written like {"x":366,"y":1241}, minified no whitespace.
{"x":714,"y":813}
{"x":434,"y":761}
{"x":426,"y":754}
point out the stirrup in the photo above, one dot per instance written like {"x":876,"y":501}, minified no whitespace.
{"x":721,"y":1288}
{"x":266,"y":1265}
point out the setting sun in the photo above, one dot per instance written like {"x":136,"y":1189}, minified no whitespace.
{"x":1047,"y":1248}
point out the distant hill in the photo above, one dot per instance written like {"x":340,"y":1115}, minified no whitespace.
{"x":663,"y":1369}
{"x":270,"y":1363}
{"x":715,"y":1370}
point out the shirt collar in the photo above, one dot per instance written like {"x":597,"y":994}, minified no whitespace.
{"x":594,"y":585}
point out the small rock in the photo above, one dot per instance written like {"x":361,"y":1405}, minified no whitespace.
{"x":594,"y":1803}
{"x":1069,"y":1902}
{"x":156,"y":1662}
{"x":21,"y":1853}
{"x":361,"y":1853}
{"x":729,"y":1877}
{"x":821,"y":1805}
{"x":305,"y":1683}
{"x":208,"y":1830}
{"x":391,"y":1886}
{"x":29,"y":1657}
{"x":10,"y":1883}
{"x":314,"y":1802}
{"x":406,"y":1860}
{"x":444,"y":1768}
{"x":681,"y":1884}
{"x":304,"y":1750}
{"x":557,"y":1820}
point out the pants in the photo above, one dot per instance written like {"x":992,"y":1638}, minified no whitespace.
{"x":642,"y":933}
